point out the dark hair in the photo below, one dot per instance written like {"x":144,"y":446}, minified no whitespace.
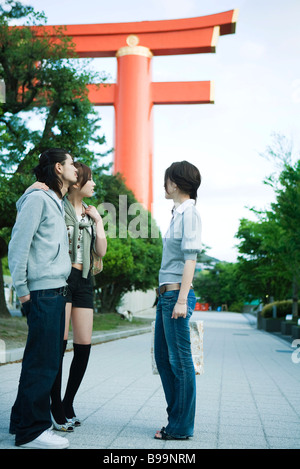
{"x":186,"y":176}
{"x":45,"y":170}
{"x":84,"y":173}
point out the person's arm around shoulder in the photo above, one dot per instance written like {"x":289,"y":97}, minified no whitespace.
{"x":38,"y":185}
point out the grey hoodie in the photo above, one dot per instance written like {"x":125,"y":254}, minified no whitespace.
{"x":38,"y":253}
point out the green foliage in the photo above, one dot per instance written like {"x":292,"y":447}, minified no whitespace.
{"x":260,"y":265}
{"x":108,"y":322}
{"x":269,"y":262}
{"x":221,"y":285}
{"x":43,"y":80}
{"x":44,"y":85}
{"x":46,"y":106}
{"x":287,"y":215}
{"x":133,"y":259}
{"x":270,"y":247}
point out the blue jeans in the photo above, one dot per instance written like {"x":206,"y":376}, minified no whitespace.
{"x":30,"y":415}
{"x":172,"y":349}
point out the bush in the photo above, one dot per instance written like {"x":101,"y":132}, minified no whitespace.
{"x":283,"y":308}
{"x":237,"y":307}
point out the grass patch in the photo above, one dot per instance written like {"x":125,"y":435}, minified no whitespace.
{"x":14,"y":330}
{"x":109,"y":321}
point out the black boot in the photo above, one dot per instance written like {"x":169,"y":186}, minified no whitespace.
{"x":57,"y":409}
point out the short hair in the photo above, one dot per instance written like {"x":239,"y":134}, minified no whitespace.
{"x":84,"y":173}
{"x":45,"y":170}
{"x":186,"y":176}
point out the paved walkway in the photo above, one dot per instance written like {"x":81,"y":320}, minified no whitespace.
{"x":248,"y":396}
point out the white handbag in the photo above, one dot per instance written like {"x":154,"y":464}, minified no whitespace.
{"x":196,"y":335}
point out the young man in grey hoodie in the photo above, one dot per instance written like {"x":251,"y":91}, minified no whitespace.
{"x":39,"y":263}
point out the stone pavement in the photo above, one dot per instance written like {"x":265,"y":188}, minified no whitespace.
{"x":248,"y":396}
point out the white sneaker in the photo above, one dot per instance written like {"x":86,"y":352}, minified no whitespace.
{"x":47,"y":440}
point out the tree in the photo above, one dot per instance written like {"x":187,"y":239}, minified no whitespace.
{"x":3,"y":252}
{"x":134,"y":245}
{"x":270,"y":247}
{"x":287,"y":214}
{"x":44,"y":85}
{"x":261,"y":269}
{"x":286,"y":210}
{"x":42,"y":80}
{"x":39,"y":73}
{"x":220,"y":286}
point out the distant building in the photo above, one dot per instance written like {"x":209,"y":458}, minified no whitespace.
{"x":205,"y":262}
{"x":10,"y":293}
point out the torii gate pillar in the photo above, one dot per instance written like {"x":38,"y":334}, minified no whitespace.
{"x":134,"y":94}
{"x":133,"y":111}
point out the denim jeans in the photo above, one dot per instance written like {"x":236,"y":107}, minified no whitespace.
{"x":30,"y":415}
{"x":172,"y":349}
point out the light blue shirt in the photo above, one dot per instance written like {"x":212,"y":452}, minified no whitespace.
{"x":181,"y":242}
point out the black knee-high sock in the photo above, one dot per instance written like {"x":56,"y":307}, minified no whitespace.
{"x":56,"y":403}
{"x":77,"y":371}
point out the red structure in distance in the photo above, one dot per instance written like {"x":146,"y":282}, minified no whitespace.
{"x":134,"y":94}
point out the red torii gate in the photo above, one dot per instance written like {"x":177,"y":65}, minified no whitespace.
{"x":134,"y":94}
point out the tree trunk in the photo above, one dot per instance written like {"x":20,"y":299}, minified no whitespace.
{"x":110,"y":297}
{"x":4,"y":312}
{"x":295,"y":297}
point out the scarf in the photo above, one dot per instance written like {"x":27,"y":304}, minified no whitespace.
{"x":71,"y":220}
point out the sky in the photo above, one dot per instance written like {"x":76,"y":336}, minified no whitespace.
{"x":256,"y":73}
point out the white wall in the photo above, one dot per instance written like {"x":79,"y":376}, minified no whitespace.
{"x":137,"y":301}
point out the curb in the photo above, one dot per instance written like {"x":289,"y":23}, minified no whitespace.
{"x":16,"y":354}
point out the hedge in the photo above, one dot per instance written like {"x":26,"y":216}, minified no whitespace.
{"x":283,"y":308}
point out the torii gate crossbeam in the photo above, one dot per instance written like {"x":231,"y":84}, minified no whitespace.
{"x":134,"y":94}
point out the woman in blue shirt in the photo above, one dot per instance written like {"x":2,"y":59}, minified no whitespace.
{"x":176,"y":302}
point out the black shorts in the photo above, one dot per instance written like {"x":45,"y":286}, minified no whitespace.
{"x":80,"y":290}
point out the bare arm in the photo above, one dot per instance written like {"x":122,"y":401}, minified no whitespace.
{"x":180,"y":309}
{"x":101,"y":242}
{"x":38,"y":185}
